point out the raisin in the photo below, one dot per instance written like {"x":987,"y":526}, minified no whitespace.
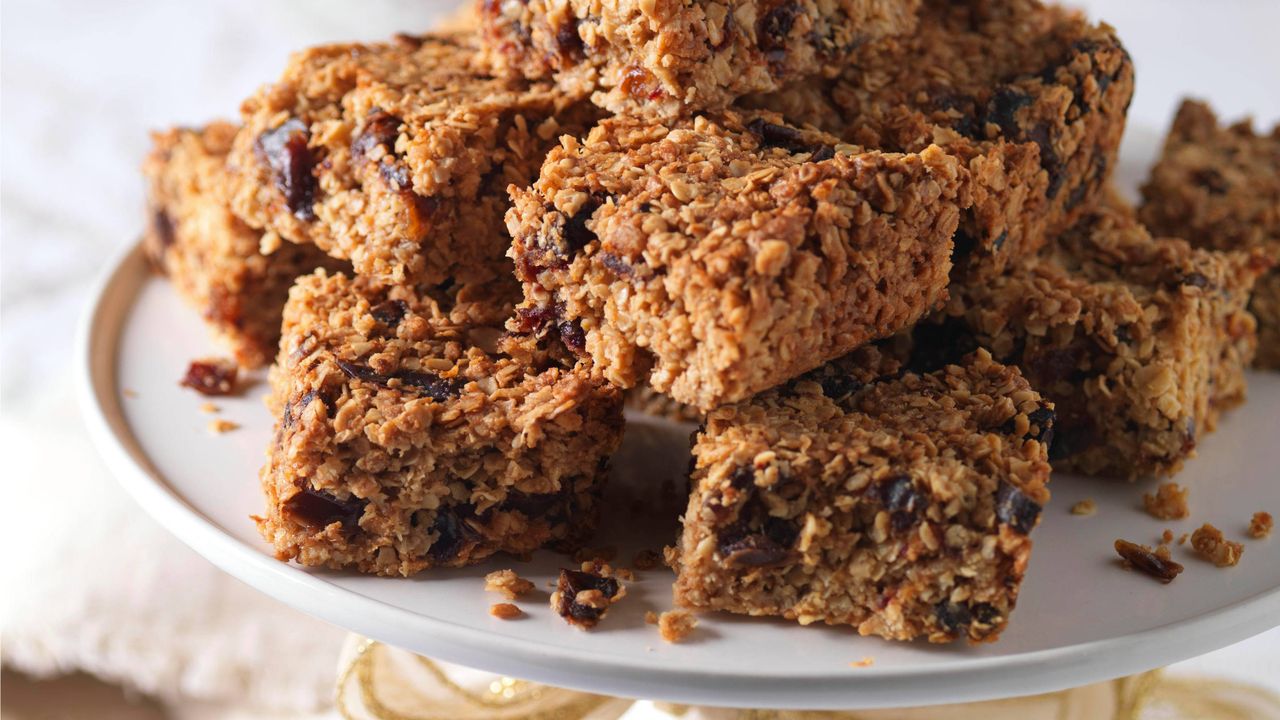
{"x":572,"y":582}
{"x":453,"y":534}
{"x":754,"y":550}
{"x":1056,"y":365}
{"x":1211,"y":180}
{"x":389,"y":313}
{"x":1143,"y":559}
{"x":573,"y":336}
{"x":1042,"y":420}
{"x":568,"y":42}
{"x":293,"y":408}
{"x":840,"y":386}
{"x":287,"y":154}
{"x":318,"y":509}
{"x":535,"y":319}
{"x":984,"y":613}
{"x":381,"y":128}
{"x":824,"y":152}
{"x":772,"y":135}
{"x":953,"y":617}
{"x":211,"y":376}
{"x":618,"y":265}
{"x":1002,"y":109}
{"x":162,"y":228}
{"x":1071,"y":437}
{"x":641,"y":84}
{"x":743,"y":477}
{"x":902,"y":500}
{"x":1015,"y":509}
{"x":432,"y":385}
{"x":1195,"y":279}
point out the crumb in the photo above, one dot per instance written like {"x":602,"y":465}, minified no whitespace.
{"x":1209,"y":542}
{"x":1182,"y":540}
{"x":675,"y":625}
{"x":221,"y":425}
{"x":1084,"y":507}
{"x":209,"y":408}
{"x":508,"y":583}
{"x":211,"y":376}
{"x":604,"y":554}
{"x":1166,"y":537}
{"x":1142,"y":558}
{"x":597,"y":567}
{"x":1164,"y":553}
{"x":867,"y":661}
{"x":671,"y":555}
{"x":646,"y":560}
{"x":130,"y":393}
{"x":650,"y":617}
{"x":582,"y":598}
{"x":505,"y":611}
{"x":1169,"y":502}
{"x":625,"y":574}
{"x":1260,"y":525}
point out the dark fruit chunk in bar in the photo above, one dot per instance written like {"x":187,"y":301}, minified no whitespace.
{"x":452,"y":534}
{"x":429,"y":384}
{"x":211,"y":376}
{"x":574,"y":583}
{"x":319,"y":509}
{"x":1147,"y":561}
{"x":1016,"y":509}
{"x":286,"y":151}
{"x":904,"y":503}
{"x":390,"y":312}
{"x":381,"y":128}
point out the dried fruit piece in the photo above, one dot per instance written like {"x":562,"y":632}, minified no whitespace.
{"x":1168,"y":503}
{"x":287,"y":153}
{"x":1260,"y":525}
{"x":211,"y":376}
{"x":583,"y":598}
{"x":1015,"y":509}
{"x":430,"y":384}
{"x":1211,"y":545}
{"x":1144,"y":559}
{"x":508,"y":583}
{"x":319,"y":509}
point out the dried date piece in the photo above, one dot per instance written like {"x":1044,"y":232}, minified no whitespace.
{"x":211,"y":376}
{"x":583,"y":598}
{"x":287,"y":152}
{"x":1144,"y":559}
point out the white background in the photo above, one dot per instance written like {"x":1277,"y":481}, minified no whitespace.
{"x":83,"y":80}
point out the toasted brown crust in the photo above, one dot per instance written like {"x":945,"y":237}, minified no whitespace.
{"x":396,"y":155}
{"x":665,"y":58}
{"x":1219,"y":187}
{"x":411,"y":435}
{"x":1031,"y":98}
{"x":217,"y":263}
{"x":721,"y":257}
{"x":898,"y":503}
{"x":1141,"y":342}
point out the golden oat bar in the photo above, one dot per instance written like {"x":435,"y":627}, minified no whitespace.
{"x":1032,"y":98}
{"x":396,"y":156}
{"x":667,"y":58}
{"x":218,"y":264}
{"x":721,"y":257}
{"x":1141,"y":342}
{"x":899,"y":503}
{"x":413,"y":434}
{"x":1219,"y":187}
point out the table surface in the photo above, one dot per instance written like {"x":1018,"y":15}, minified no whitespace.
{"x":83,"y":81}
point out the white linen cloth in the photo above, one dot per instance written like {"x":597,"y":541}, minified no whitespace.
{"x":89,"y":582}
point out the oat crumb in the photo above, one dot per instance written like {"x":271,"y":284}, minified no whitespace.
{"x":1209,"y":542}
{"x":130,"y":393}
{"x":209,"y":408}
{"x":220,"y":425}
{"x":1260,"y":525}
{"x":1084,"y":507}
{"x":1182,"y":540}
{"x":675,"y":625}
{"x":1167,"y":536}
{"x":650,"y":617}
{"x":867,"y":661}
{"x":1168,"y":503}
{"x":625,"y":574}
{"x":505,"y":611}
{"x":508,"y":583}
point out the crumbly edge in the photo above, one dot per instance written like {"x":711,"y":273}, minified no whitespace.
{"x":1142,"y":342}
{"x":841,"y":511}
{"x":1032,"y":98}
{"x":1218,"y":186}
{"x":723,"y":257}
{"x":396,"y":155}
{"x":408,"y":437}
{"x":217,"y":263}
{"x":670,"y":59}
